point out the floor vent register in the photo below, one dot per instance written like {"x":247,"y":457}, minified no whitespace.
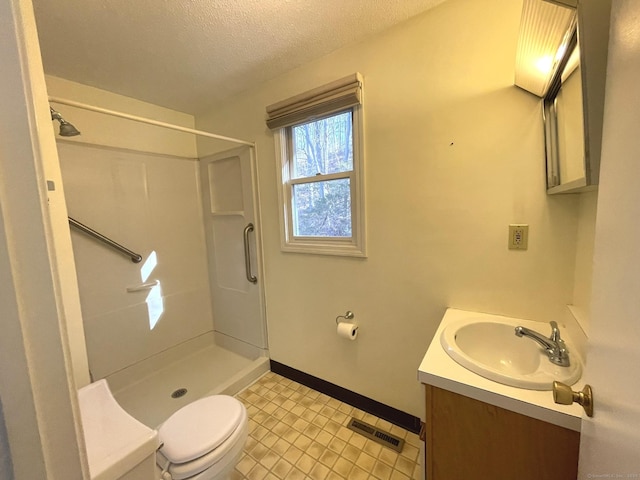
{"x":380,"y":436}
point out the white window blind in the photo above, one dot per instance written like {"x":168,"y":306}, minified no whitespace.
{"x":332,"y":97}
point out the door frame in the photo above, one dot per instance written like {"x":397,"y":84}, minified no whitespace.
{"x":37,"y":386}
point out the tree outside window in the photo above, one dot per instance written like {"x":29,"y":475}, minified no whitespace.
{"x":321,"y":175}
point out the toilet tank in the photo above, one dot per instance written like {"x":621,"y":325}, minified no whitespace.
{"x":118,"y":445}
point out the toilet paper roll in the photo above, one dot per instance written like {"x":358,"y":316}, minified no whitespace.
{"x":347,"y":330}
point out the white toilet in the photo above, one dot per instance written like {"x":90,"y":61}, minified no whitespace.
{"x":201,"y":441}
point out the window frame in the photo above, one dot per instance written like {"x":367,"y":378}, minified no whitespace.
{"x":342,"y":246}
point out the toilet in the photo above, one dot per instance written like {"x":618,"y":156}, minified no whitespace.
{"x":203,"y":440}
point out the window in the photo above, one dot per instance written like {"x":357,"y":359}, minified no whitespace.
{"x":321,"y":178}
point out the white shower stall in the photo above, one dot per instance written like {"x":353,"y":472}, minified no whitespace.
{"x":190,"y":316}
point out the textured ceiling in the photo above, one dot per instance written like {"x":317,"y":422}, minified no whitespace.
{"x":190,"y":54}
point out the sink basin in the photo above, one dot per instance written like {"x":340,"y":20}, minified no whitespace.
{"x":491,"y":349}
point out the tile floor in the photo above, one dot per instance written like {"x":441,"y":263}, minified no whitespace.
{"x":298,"y":433}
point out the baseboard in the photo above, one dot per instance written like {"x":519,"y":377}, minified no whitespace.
{"x":390,"y":414}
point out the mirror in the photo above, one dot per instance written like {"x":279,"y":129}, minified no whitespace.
{"x":574,"y":103}
{"x":564,"y":124}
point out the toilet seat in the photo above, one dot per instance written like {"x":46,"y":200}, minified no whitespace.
{"x":201,"y":434}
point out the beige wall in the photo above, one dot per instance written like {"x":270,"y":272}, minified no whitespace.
{"x":584,"y":258}
{"x":454,"y":153}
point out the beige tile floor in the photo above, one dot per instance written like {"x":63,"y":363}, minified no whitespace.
{"x":298,"y":433}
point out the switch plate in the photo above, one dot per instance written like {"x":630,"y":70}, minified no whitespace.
{"x":518,"y":236}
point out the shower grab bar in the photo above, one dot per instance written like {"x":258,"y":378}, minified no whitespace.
{"x":247,"y":254}
{"x":135,"y":258}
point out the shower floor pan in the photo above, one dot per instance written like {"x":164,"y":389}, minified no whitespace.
{"x":154,"y":389}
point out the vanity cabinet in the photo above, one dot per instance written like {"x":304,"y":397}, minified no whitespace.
{"x":470,"y":439}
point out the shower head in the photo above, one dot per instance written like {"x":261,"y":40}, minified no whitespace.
{"x":66,"y":129}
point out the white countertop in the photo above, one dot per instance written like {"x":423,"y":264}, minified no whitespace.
{"x":440,"y":370}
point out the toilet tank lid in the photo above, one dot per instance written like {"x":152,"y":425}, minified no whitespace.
{"x":199,"y":427}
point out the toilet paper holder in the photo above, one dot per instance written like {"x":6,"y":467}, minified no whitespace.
{"x":349,"y":315}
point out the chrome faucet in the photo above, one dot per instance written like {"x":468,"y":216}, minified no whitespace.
{"x":554,"y":346}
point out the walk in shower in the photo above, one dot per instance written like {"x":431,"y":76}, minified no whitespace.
{"x":187,"y":320}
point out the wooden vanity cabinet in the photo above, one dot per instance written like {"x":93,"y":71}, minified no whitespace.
{"x":469,"y":439}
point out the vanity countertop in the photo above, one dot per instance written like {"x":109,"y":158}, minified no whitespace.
{"x":440,"y":370}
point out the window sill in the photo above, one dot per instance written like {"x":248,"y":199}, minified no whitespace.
{"x":324,"y":249}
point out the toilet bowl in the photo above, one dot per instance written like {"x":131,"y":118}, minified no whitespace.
{"x":203,"y":440}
